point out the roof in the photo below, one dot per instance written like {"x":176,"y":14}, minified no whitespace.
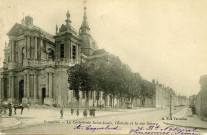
{"x":99,"y":51}
{"x":32,"y":27}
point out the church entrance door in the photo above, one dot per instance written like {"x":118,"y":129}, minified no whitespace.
{"x":43,"y":94}
{"x":21,"y":90}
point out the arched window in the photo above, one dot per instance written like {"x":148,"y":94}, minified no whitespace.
{"x":74,"y":52}
{"x":23,"y":53}
{"x":62,"y":51}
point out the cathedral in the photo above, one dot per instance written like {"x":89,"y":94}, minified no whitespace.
{"x":35,"y":62}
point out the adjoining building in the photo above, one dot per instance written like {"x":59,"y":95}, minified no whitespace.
{"x":201,"y":99}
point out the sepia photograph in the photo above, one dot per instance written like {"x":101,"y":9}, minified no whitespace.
{"x":103,"y":67}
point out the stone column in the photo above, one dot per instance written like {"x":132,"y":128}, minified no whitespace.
{"x":12,"y":86}
{"x":9,"y":92}
{"x":40,"y":46}
{"x":25,"y":85}
{"x":1,"y":91}
{"x":13,"y":52}
{"x":35,"y":48}
{"x":28,"y":47}
{"x":10,"y":51}
{"x":25,"y":48}
{"x":28,"y":88}
{"x":2,"y":87}
{"x":50,"y":85}
{"x":35,"y":85}
{"x":47,"y":86}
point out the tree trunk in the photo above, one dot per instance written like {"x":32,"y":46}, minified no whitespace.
{"x":77,"y":97}
{"x":132,"y":98}
{"x":78,"y":103}
{"x":117,"y":103}
{"x":97,"y":103}
{"x":105,"y":100}
{"x":113,"y":101}
{"x":121,"y":101}
{"x":143,"y":101}
{"x":97,"y":98}
{"x":87,"y":100}
{"x":93,"y":97}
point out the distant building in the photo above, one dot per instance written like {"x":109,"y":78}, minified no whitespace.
{"x":192,"y":100}
{"x":201,"y":99}
{"x":161,"y":97}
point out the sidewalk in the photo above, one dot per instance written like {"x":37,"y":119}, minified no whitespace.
{"x":192,"y":121}
{"x":35,"y":116}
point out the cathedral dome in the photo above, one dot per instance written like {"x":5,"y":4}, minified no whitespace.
{"x":88,"y":44}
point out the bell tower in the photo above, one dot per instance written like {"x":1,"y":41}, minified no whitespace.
{"x":67,"y":42}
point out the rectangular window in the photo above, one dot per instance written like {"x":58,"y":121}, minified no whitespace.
{"x":74,"y":52}
{"x":62,"y":51}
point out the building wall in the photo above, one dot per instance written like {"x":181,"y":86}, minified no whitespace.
{"x":201,"y":99}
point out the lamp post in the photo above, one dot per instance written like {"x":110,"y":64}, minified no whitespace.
{"x":170,"y":106}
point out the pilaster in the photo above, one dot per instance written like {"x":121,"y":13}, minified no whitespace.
{"x":25,"y":85}
{"x":50,"y":84}
{"x":25,"y":42}
{"x":47,"y":87}
{"x":28,"y":47}
{"x":28,"y":87}
{"x":13,"y":51}
{"x":35,"y":48}
{"x":35,"y":85}
{"x":12,"y":86}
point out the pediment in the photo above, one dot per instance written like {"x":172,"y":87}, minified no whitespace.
{"x":17,"y":29}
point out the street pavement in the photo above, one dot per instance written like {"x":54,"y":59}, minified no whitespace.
{"x":35,"y":116}
{"x":105,"y":122}
{"x":185,"y":118}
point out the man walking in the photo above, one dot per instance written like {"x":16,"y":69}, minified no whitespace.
{"x":77,"y":112}
{"x":72,"y":110}
{"x":10,"y":109}
{"x":61,"y":112}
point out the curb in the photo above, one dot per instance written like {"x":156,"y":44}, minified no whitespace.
{"x":41,"y":123}
{"x":185,"y":126}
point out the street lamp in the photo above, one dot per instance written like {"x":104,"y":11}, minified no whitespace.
{"x":170,"y":105}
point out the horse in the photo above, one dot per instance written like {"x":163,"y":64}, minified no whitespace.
{"x":18,"y":107}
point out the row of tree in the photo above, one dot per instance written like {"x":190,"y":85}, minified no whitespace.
{"x":114,"y":78}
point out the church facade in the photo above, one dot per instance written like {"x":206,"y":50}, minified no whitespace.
{"x":36,"y":62}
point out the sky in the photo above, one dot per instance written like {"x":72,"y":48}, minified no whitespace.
{"x":164,"y":40}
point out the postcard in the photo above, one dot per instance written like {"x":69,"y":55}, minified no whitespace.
{"x":103,"y":67}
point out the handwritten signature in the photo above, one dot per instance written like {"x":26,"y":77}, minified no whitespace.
{"x":93,"y":129}
{"x":168,"y":130}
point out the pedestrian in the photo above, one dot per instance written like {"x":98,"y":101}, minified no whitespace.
{"x":61,"y":112}
{"x":72,"y":110}
{"x":10,"y":109}
{"x":90,"y":112}
{"x":85,"y":113}
{"x":22,"y":108}
{"x":28,"y":107}
{"x":77,"y":112}
{"x":93,"y":112}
